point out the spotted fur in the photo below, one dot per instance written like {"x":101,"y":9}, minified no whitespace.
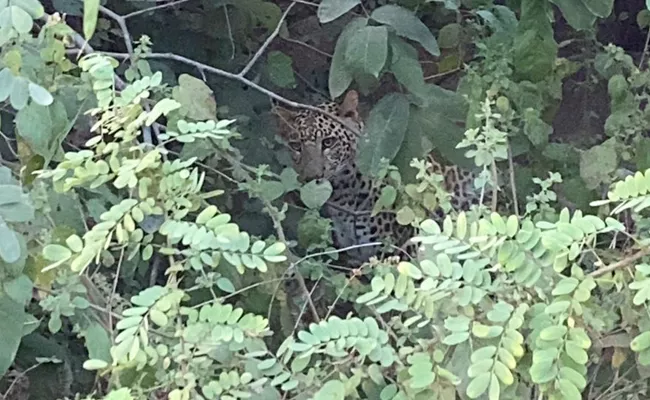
{"x":323,"y":148}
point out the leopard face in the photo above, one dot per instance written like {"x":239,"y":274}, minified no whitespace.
{"x":320,"y":146}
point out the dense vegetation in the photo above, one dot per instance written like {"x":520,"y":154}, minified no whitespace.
{"x":156,"y":243}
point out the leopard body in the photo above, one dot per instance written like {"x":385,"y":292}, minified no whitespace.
{"x":324,"y":148}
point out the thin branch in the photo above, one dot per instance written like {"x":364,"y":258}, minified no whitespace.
{"x":621,"y":264}
{"x":310,"y":47}
{"x":158,"y":7}
{"x":121,"y":21}
{"x":513,"y":187}
{"x":266,"y":43}
{"x":230,"y":37}
{"x":237,"y":77}
{"x":645,"y":49}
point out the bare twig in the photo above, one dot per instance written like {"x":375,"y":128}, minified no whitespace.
{"x":310,"y":47}
{"x":645,"y":49}
{"x":621,"y":264}
{"x":495,"y":186}
{"x":245,"y":81}
{"x":513,"y":187}
{"x":266,"y":43}
{"x":121,"y":21}
{"x":230,"y":37}
{"x":154,"y":8}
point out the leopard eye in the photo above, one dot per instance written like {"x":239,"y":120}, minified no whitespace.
{"x":295,"y":146}
{"x":328,"y":142}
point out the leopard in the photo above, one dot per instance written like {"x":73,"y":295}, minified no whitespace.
{"x":325,"y":148}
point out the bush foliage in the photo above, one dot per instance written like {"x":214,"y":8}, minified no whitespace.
{"x":156,"y":243}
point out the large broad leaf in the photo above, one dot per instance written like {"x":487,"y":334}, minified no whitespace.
{"x":329,"y":10}
{"x":384,"y":133}
{"x":436,"y":124}
{"x":280,"y":70}
{"x":597,"y":163}
{"x":98,"y":342}
{"x":43,"y":128}
{"x":408,"y":25}
{"x":581,"y":14}
{"x":576,"y":13}
{"x":12,"y":315}
{"x":406,"y":67}
{"x":367,"y":50}
{"x":535,"y":49}
{"x":341,"y":76}
{"x":196,"y":98}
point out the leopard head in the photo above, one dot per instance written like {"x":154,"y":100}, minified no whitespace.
{"x":320,"y":146}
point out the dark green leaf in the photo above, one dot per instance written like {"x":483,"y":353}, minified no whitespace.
{"x":384,"y":133}
{"x":600,"y":8}
{"x":576,"y":13}
{"x":43,"y":128}
{"x":449,"y":36}
{"x":280,"y":70}
{"x":406,"y":24}
{"x":367,"y":50}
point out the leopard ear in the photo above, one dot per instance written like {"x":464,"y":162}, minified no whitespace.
{"x":349,"y":108}
{"x":285,"y":118}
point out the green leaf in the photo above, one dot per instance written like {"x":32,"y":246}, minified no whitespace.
{"x":55,"y":252}
{"x":384,"y":132}
{"x":98,"y":342}
{"x":535,"y":49}
{"x":329,"y":10}
{"x":367,"y":50}
{"x":406,"y":24}
{"x":437,"y":122}
{"x":43,"y":128}
{"x":19,"y":289}
{"x":93,"y":364}
{"x":13,"y":317}
{"x":576,"y":13}
{"x":641,"y":342}
{"x":163,"y":107}
{"x":597,"y":163}
{"x":6,"y":83}
{"x":449,"y":36}
{"x":19,"y":93}
{"x":340,"y":76}
{"x":9,"y":244}
{"x":20,"y":19}
{"x":315,"y":194}
{"x":196,"y":98}
{"x":331,"y":390}
{"x":478,"y":385}
{"x":91,"y":12}
{"x":40,"y":95}
{"x":280,"y":69}
{"x":405,"y":66}
{"x":33,"y":7}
